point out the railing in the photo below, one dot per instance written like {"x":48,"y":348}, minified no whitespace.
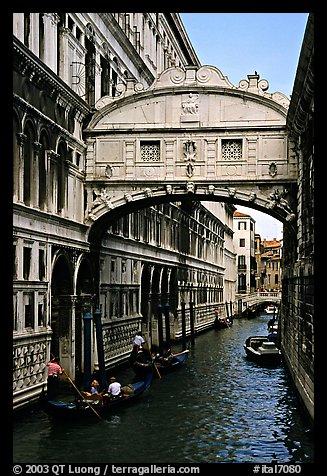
{"x":259,"y":296}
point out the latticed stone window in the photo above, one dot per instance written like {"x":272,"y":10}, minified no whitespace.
{"x":150,"y":151}
{"x":231,"y":149}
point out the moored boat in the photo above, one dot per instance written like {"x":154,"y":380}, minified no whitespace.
{"x":271,"y":309}
{"x":85,"y":408}
{"x":262,"y":350}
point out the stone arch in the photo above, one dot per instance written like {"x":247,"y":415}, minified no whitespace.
{"x":42,"y":167}
{"x":61,"y":308}
{"x":275,"y":203}
{"x":85,"y":293}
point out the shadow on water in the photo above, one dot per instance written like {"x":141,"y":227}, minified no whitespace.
{"x":219,"y":407}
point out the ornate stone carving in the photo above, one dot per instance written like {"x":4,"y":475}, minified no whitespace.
{"x":277,"y":199}
{"x":190,"y":106}
{"x":128,"y":197}
{"x":190,"y":187}
{"x":231,"y":191}
{"x":101,"y":198}
{"x":272,"y":169}
{"x":189,"y":150}
{"x":109,"y":171}
{"x":252,"y":197}
{"x":148,"y":192}
{"x":29,"y":364}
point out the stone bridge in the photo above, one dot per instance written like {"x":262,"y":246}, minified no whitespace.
{"x":192,"y":135}
{"x":260,"y":297}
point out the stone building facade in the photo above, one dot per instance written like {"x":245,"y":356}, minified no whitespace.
{"x":63,"y":65}
{"x":297,"y":315}
{"x":269,"y":259}
{"x":244,"y":242}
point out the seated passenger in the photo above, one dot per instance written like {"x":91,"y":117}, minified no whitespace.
{"x":114,"y":389}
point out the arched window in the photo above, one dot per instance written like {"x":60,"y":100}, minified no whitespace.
{"x":28,"y":163}
{"x":61,"y":176}
{"x":42,"y":171}
{"x":16,"y":161}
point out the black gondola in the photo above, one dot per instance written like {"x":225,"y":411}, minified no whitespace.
{"x":223,"y":323}
{"x":82,"y":408}
{"x":162,"y":364}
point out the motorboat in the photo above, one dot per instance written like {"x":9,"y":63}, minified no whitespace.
{"x":271,"y":309}
{"x":262,"y":350}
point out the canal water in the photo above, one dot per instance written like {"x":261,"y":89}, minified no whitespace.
{"x":218,"y":408}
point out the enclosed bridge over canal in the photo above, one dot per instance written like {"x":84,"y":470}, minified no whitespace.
{"x":192,"y":135}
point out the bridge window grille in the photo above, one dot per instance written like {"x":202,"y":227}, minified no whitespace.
{"x":150,"y":151}
{"x":231,"y":149}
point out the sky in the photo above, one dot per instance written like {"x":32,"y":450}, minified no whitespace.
{"x":239,"y":44}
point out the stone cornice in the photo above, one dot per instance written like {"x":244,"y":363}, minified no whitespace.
{"x":303,"y":90}
{"x":28,"y":64}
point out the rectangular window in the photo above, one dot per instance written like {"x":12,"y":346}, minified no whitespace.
{"x":242,"y":225}
{"x":242,"y":242}
{"x":27,"y":253}
{"x":15,"y":313}
{"x":150,"y":151}
{"x":41,"y":313}
{"x":231,"y":149}
{"x":41,"y":265}
{"x":29,"y":310}
{"x":15,"y":263}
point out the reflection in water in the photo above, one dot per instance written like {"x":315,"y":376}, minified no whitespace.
{"x":219,"y":408}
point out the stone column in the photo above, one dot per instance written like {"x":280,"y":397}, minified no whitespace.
{"x":19,"y":170}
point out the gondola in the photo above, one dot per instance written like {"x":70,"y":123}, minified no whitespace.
{"x":223,"y":323}
{"x":262,"y":350}
{"x":81,"y":408}
{"x":163,"y":365}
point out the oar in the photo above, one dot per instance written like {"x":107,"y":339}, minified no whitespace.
{"x":70,"y":380}
{"x":93,"y":409}
{"x":153,"y":361}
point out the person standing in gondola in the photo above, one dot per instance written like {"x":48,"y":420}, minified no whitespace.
{"x":54,"y":370}
{"x":137,"y":346}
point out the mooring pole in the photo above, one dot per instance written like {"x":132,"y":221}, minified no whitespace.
{"x":167,"y":324}
{"x":160,"y":330}
{"x":87,"y":317}
{"x":192,"y":318}
{"x":99,"y":337}
{"x":183,"y":325}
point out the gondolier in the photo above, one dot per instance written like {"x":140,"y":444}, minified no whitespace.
{"x":137,"y":345}
{"x":54,"y":370}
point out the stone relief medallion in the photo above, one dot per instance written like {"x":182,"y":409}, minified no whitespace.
{"x":149,"y":172}
{"x":231,"y":169}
